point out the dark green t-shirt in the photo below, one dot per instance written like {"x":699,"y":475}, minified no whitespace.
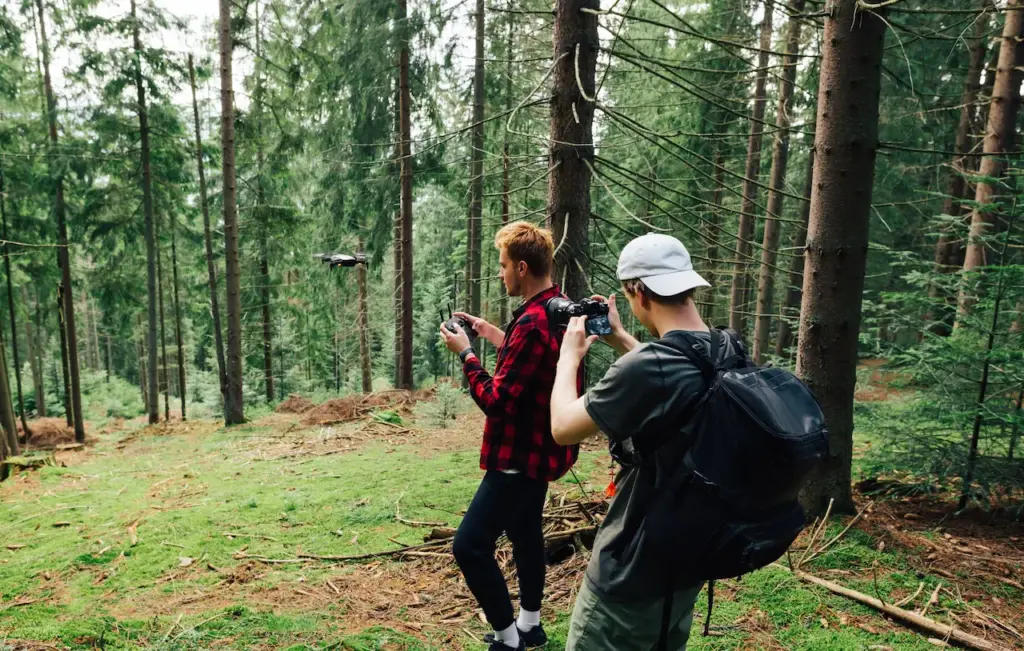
{"x":643,"y":394}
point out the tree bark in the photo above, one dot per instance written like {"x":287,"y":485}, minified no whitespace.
{"x":572,"y":122}
{"x":476,"y":173}
{"x":745,"y":232}
{"x":776,"y":187}
{"x":177,"y":319}
{"x":260,"y":213}
{"x":268,"y":351}
{"x":233,"y":404}
{"x":109,"y":360}
{"x":405,"y":375}
{"x":143,"y":375}
{"x":999,"y":145}
{"x":153,"y":406}
{"x":949,"y":247}
{"x":34,"y":356}
{"x":10,"y":311}
{"x":63,"y":254}
{"x":846,"y":141}
{"x":69,"y":412}
{"x":506,"y":160}
{"x":163,"y":329}
{"x":7,"y":416}
{"x":90,"y":306}
{"x":794,"y":293}
{"x":211,"y":269}
{"x":364,"y":328}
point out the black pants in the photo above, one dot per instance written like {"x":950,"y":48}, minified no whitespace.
{"x":513,"y":505}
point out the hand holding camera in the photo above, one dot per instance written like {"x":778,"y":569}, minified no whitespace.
{"x":488,"y":331}
{"x":596,"y":311}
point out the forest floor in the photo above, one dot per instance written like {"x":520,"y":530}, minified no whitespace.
{"x":191,"y":536}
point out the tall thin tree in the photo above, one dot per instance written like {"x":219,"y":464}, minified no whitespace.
{"x":745,"y":232}
{"x":846,"y":139}
{"x":34,"y":353}
{"x":152,"y":407}
{"x":572,"y":141}
{"x":163,"y":329}
{"x":776,"y":185}
{"x":794,"y":288}
{"x":211,"y":269}
{"x":476,"y":171}
{"x":7,"y":416}
{"x":949,"y":250}
{"x":63,"y":254}
{"x":506,"y":181}
{"x":999,"y":145}
{"x":366,"y":373}
{"x":65,"y":363}
{"x":10,"y":309}
{"x":233,"y":405}
{"x":405,"y":375}
{"x":262,"y":219}
{"x":177,"y":318}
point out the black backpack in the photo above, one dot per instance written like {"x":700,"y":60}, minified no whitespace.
{"x":750,"y":440}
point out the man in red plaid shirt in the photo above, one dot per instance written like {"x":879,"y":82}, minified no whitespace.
{"x":518,"y":454}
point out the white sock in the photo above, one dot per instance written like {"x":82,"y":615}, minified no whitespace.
{"x":528,"y":620}
{"x":509,"y":637}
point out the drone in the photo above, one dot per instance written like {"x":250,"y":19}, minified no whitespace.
{"x":341,"y":259}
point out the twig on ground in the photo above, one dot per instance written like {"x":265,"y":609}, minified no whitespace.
{"x":905,"y":616}
{"x":816,"y":533}
{"x":821,"y":550}
{"x":239,"y":534}
{"x":934,"y":599}
{"x":359,"y":557}
{"x":904,"y":602}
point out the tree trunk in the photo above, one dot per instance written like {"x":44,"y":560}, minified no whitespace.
{"x":999,"y":145}
{"x":211,"y":269}
{"x":776,"y":187}
{"x":109,"y":360}
{"x":69,"y":412}
{"x":90,"y":305}
{"x":572,"y":121}
{"x":745,"y":233}
{"x":7,"y":416}
{"x":405,"y":375}
{"x":949,"y":247}
{"x":233,"y":407}
{"x":476,"y":174}
{"x":63,"y":254}
{"x":268,"y":351}
{"x":506,"y":181}
{"x":846,"y":141}
{"x":34,"y":357}
{"x":794,"y":293}
{"x":141,"y":351}
{"x":712,"y":229}
{"x":10,"y":310}
{"x":364,"y":328}
{"x":177,"y":319}
{"x":153,"y":406}
{"x":1015,"y":431}
{"x":163,"y":329}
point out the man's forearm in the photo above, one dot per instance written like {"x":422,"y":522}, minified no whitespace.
{"x":623,"y":342}
{"x":564,"y":391}
{"x":497,"y":338}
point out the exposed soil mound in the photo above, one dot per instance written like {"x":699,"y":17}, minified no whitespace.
{"x":48,"y":432}
{"x":351,"y":408}
{"x":295,"y":404}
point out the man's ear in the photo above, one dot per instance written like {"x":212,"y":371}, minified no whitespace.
{"x":522,"y":268}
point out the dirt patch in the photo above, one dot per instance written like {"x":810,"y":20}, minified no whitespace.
{"x":354,"y":407}
{"x":295,"y":404}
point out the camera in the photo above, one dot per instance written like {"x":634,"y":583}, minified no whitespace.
{"x":560,"y":310}
{"x":341,"y":259}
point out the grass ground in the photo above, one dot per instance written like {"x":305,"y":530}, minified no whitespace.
{"x":188,"y":536}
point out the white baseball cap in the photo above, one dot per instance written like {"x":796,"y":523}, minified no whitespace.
{"x":661,"y":262}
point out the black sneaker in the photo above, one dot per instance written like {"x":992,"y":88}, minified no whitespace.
{"x":501,"y":646}
{"x":536,"y":637}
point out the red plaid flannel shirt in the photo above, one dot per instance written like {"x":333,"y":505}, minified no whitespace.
{"x":516,"y":400}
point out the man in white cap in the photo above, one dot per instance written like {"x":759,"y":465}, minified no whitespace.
{"x":625,"y":603}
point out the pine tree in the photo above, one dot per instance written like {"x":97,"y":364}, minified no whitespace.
{"x":572,"y":138}
{"x":846,"y":141}
{"x":233,"y":404}
{"x":405,"y":321}
{"x":63,"y":255}
{"x":745,"y":232}
{"x":211,"y":269}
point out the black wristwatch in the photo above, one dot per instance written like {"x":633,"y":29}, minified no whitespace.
{"x":466,"y":353}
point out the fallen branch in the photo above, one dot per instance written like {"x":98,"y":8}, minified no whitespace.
{"x":815,"y":534}
{"x":904,"y":602}
{"x":942,"y":631}
{"x":932,"y":600}
{"x":238,"y":534}
{"x":359,"y":557}
{"x":821,"y":550}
